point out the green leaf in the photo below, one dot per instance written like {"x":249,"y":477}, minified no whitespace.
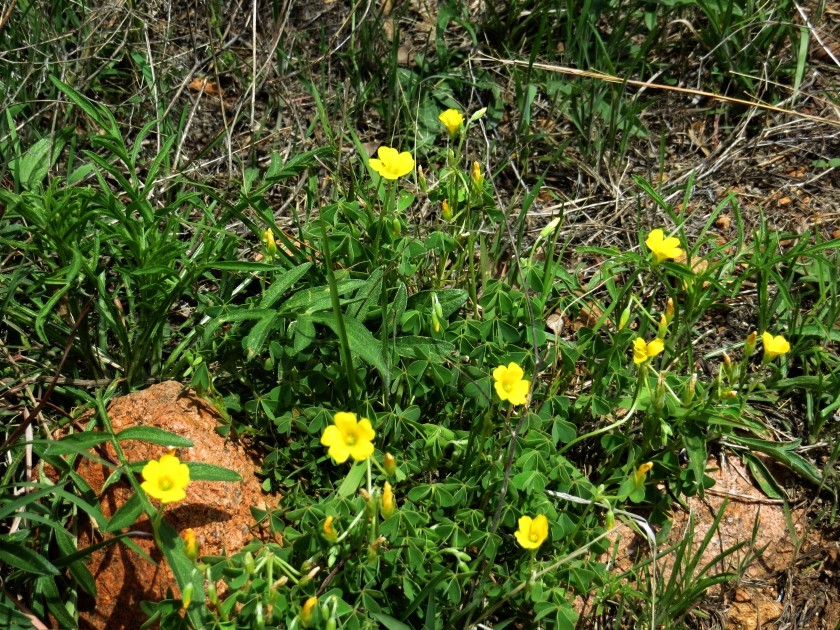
{"x":154,"y":435}
{"x":34,"y":164}
{"x":127,"y":514}
{"x":361,"y":341}
{"x":18,"y":556}
{"x":390,"y":623}
{"x":353,"y":480}
{"x":783,"y":453}
{"x":282,"y":284}
{"x":201,"y":471}
{"x":75,"y":443}
{"x":46,"y":588}
{"x":255,"y":339}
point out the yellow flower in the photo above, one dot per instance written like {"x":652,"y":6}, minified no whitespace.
{"x":774,"y":346}
{"x":510,"y":384}
{"x":388,"y":504}
{"x":349,"y":438}
{"x":391,"y":163}
{"x":190,"y":544}
{"x":329,"y":531}
{"x":452,"y":119}
{"x":308,"y":608}
{"x":166,"y":479}
{"x":532,"y":532}
{"x":661,"y":247}
{"x":642,"y":351}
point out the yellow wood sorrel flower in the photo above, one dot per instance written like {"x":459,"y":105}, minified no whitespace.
{"x":166,"y":479}
{"x":663,"y":248}
{"x":391,"y":163}
{"x":532,"y":532}
{"x":642,"y":350}
{"x":348,"y":438}
{"x":510,"y":384}
{"x":774,"y":346}
{"x":452,"y":119}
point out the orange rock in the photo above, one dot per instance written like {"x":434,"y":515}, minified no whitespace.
{"x":218,"y":512}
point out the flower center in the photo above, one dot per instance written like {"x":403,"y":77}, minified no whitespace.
{"x":350,"y":439}
{"x":165,"y":483}
{"x":533,"y":537}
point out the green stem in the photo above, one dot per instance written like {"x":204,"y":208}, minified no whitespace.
{"x":347,"y":356}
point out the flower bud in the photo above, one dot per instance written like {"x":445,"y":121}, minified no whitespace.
{"x":641,"y":472}
{"x":609,"y":520}
{"x":259,"y":621}
{"x":663,"y":327}
{"x":421,"y":179}
{"x":248,"y":561}
{"x":624,"y":318}
{"x":212,"y":595}
{"x":329,"y":531}
{"x":549,"y":229}
{"x":446,"y":210}
{"x":477,"y":177}
{"x":659,"y":394}
{"x":749,"y":344}
{"x":437,"y":306}
{"x":688,"y":397}
{"x":390,"y":465}
{"x":270,"y":244}
{"x":388,"y":503}
{"x":669,"y":310}
{"x":186,"y":595}
{"x":190,"y":544}
{"x":307,"y":610}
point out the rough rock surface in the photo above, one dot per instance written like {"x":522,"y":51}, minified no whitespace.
{"x":218,"y":512}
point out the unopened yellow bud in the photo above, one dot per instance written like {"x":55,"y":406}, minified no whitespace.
{"x":624,"y":318}
{"x":477,"y":177}
{"x":390,"y":464}
{"x":446,"y":210}
{"x":750,"y":343}
{"x":663,"y":327}
{"x":641,"y":473}
{"x":329,"y":530}
{"x":186,"y":595}
{"x":307,"y":610}
{"x":388,"y":503}
{"x":190,"y":544}
{"x":270,"y":244}
{"x":421,"y":179}
{"x":669,"y":310}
